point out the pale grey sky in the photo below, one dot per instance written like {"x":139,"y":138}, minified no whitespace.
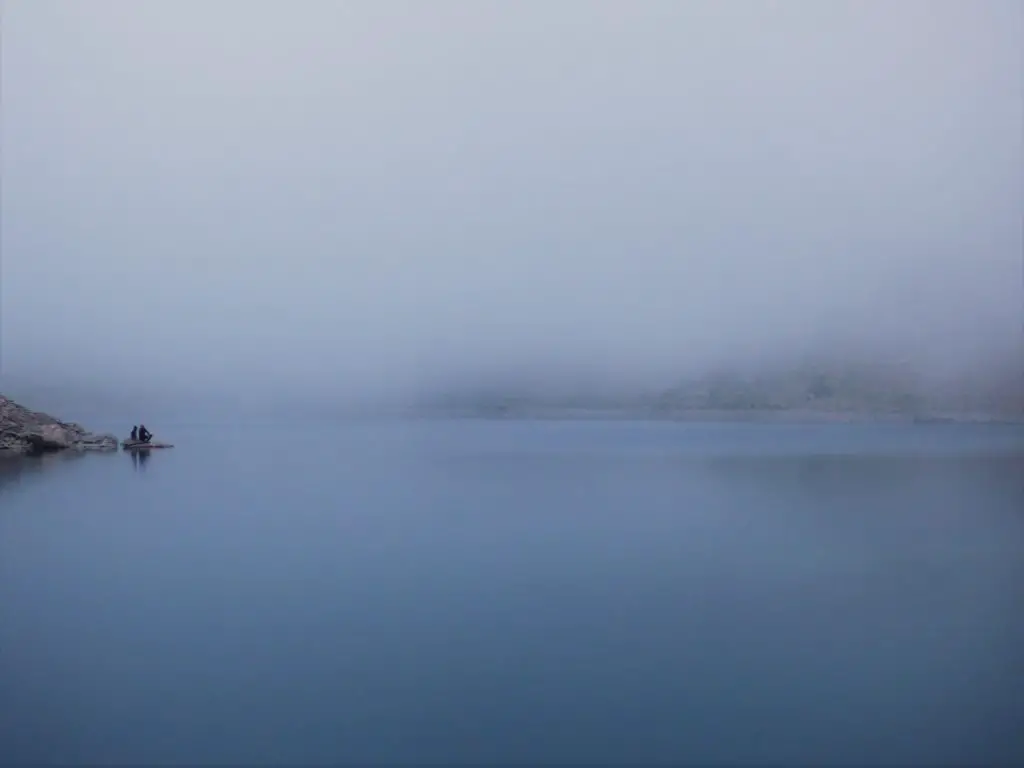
{"x":360,"y":196}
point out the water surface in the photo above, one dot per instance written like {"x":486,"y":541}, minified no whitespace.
{"x":519,"y":592}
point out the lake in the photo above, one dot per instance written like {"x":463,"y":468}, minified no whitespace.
{"x":522,"y":592}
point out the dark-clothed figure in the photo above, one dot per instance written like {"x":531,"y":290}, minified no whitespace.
{"x":144,"y":434}
{"x":135,"y":434}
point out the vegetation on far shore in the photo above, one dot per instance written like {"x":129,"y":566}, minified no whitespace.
{"x":837,"y":391}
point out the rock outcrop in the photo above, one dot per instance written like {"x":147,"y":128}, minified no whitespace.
{"x":23,"y":431}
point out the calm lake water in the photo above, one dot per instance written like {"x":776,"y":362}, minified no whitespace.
{"x":545,"y":592}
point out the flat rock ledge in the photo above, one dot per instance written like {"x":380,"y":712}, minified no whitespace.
{"x":24,"y":432}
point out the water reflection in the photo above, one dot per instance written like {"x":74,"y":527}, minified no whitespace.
{"x":867,"y":478}
{"x":17,"y":469}
{"x":139,"y":458}
{"x":12,"y":469}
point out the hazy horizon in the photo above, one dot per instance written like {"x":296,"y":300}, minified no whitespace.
{"x":353,"y":200}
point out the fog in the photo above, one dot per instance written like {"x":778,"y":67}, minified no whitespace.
{"x":335,"y":199}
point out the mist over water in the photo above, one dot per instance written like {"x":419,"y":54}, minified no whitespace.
{"x":237,"y":221}
{"x":368,"y":200}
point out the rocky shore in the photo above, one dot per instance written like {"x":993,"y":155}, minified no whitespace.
{"x":24,"y":432}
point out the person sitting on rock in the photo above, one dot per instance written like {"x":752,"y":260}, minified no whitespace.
{"x":144,"y":434}
{"x":135,"y":434}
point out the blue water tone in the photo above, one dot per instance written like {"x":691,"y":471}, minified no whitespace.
{"x":531,"y":592}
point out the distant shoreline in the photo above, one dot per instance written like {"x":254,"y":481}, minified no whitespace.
{"x":752,"y":416}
